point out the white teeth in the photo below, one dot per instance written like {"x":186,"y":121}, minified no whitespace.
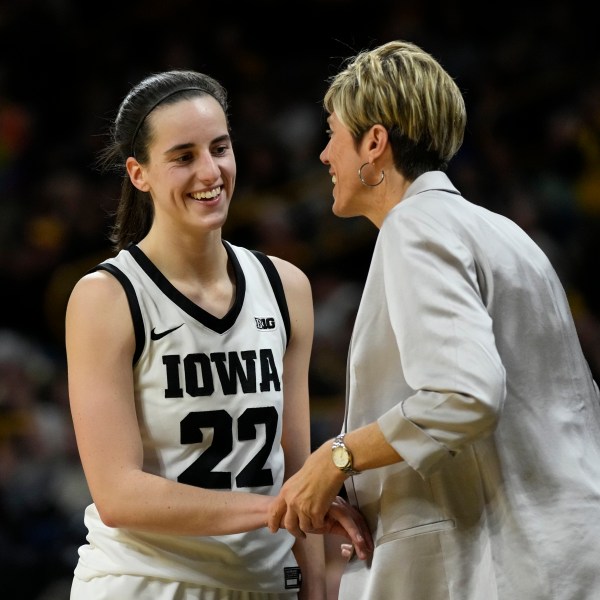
{"x":334,"y":179}
{"x":207,"y":195}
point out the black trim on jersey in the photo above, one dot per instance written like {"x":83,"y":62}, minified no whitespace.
{"x":277,"y":286}
{"x":134,"y":306}
{"x":192,"y":309}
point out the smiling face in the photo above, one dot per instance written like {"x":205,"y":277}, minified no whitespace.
{"x":342,"y":156}
{"x":191,"y":169}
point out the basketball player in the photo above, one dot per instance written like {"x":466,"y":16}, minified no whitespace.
{"x":188,"y":375}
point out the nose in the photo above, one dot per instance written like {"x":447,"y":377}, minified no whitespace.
{"x":208,"y":168}
{"x":323,"y":157}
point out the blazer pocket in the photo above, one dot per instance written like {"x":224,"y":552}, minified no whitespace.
{"x":436,"y":527}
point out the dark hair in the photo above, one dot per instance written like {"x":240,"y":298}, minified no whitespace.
{"x":131,"y":135}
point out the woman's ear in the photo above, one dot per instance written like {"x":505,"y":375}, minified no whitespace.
{"x":136,"y":174}
{"x":376,"y":141}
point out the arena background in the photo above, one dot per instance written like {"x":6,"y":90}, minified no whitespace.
{"x":531,"y":78}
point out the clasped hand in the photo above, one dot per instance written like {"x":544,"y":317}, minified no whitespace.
{"x":308,"y":503}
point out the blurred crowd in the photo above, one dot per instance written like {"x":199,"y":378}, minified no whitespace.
{"x":531,"y":79}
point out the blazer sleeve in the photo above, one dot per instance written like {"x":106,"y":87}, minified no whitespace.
{"x":446,"y":342}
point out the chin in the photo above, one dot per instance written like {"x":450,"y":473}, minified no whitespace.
{"x":338,"y":210}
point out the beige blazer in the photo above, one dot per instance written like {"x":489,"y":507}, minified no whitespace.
{"x":465,"y":352}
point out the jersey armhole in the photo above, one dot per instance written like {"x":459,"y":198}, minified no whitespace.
{"x":278,"y":290}
{"x":134,"y":306}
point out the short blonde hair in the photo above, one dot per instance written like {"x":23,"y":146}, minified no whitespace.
{"x":403,"y":88}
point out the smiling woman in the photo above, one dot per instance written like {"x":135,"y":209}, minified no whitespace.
{"x":191,"y":165}
{"x":471,"y":434}
{"x":188,"y":374}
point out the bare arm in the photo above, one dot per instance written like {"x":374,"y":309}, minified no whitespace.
{"x":309,"y":551}
{"x":100,"y":345}
{"x":341,"y":518}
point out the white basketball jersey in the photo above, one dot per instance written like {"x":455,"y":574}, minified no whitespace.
{"x":209,"y":400}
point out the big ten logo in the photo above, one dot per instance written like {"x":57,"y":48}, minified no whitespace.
{"x":265,"y":322}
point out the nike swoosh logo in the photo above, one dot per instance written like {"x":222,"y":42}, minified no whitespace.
{"x":157,"y":336}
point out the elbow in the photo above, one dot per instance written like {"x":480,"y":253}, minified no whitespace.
{"x":109,"y":514}
{"x":112,"y":510}
{"x":119,"y":500}
{"x":463,"y":420}
{"x":481,"y":405}
{"x":486,"y":418}
{"x":480,"y":414}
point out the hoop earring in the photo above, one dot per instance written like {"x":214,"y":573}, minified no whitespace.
{"x":360,"y":176}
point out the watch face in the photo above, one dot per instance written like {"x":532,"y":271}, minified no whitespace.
{"x":341,"y":458}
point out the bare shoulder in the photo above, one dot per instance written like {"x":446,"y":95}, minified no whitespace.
{"x":97,"y":297}
{"x":96,"y":289}
{"x":98,"y":310}
{"x":291,"y":275}
{"x":298,"y":293}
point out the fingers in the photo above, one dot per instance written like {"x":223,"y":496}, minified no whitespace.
{"x":347,"y":551}
{"x":283,"y":513}
{"x":281,"y":516}
{"x":300,"y":523}
{"x":311,"y":522}
{"x":353,"y":526}
{"x":340,"y":518}
{"x":277,"y":512}
{"x":295,"y":524}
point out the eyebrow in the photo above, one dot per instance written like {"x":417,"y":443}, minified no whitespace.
{"x":188,"y":145}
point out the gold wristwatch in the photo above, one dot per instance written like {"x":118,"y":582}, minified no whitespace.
{"x":342,"y":457}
